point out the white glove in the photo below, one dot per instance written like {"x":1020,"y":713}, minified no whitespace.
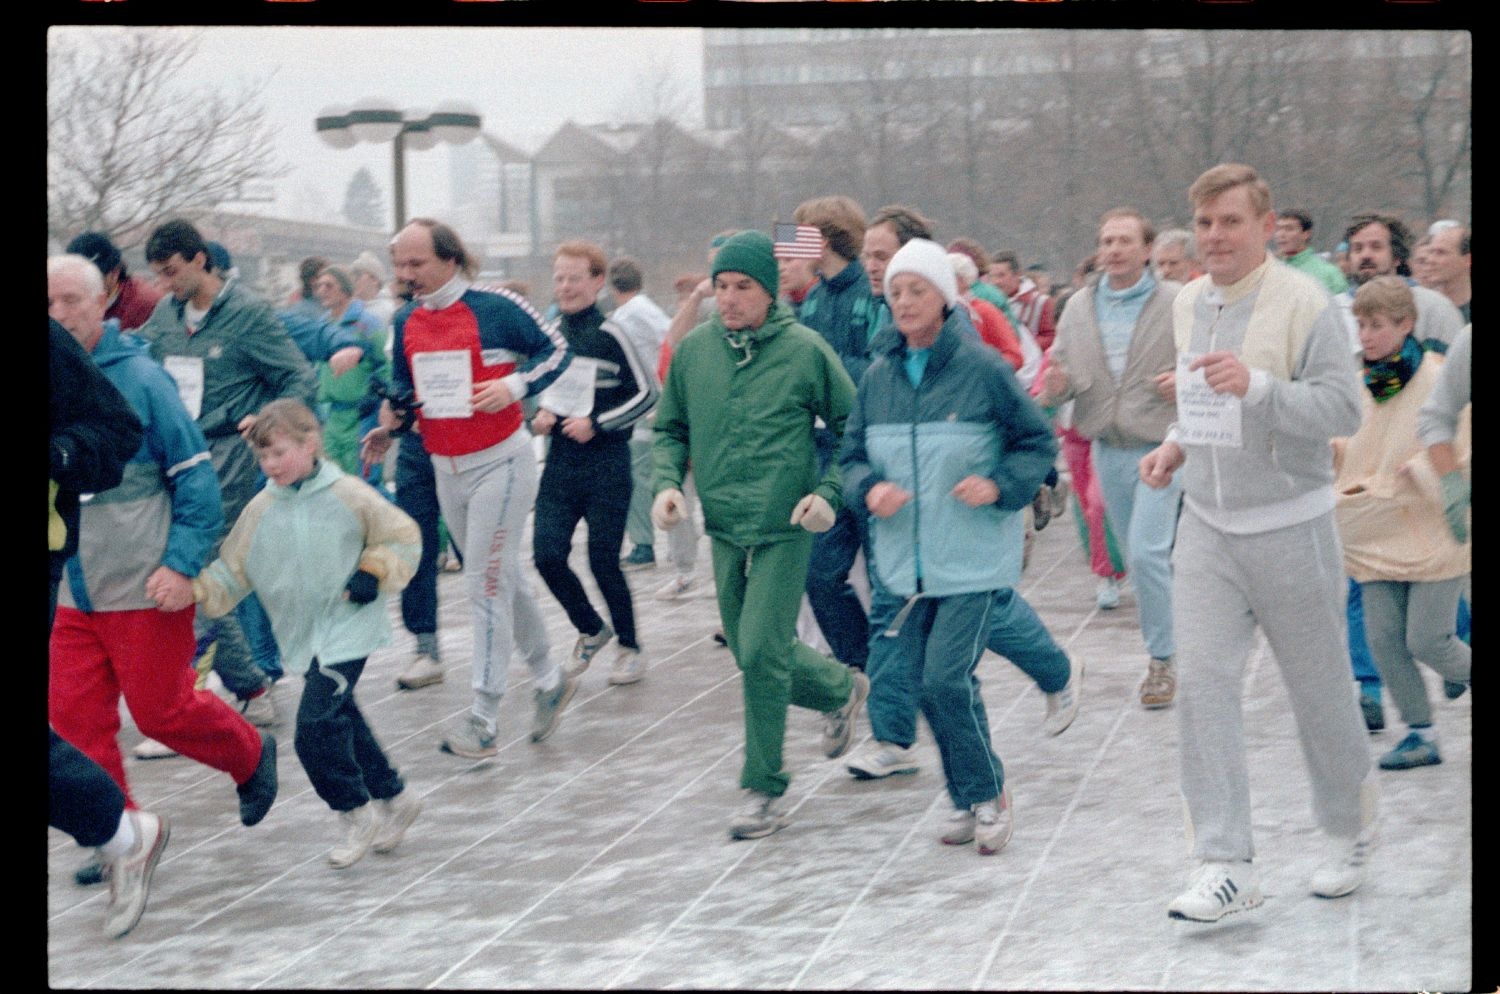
{"x":668,"y":508}
{"x":813,"y":513}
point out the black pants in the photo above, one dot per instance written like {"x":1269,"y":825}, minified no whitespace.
{"x":346,"y":765}
{"x":83,"y":800}
{"x":416,"y":494}
{"x":596,"y":491}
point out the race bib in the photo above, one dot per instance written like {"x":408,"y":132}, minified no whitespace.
{"x":445,"y":383}
{"x":187,"y":372}
{"x":1203,"y":416}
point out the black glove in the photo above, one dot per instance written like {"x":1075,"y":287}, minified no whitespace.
{"x":363,"y":587}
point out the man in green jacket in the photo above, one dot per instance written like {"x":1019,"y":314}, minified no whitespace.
{"x":1292,"y":235}
{"x":740,"y":401}
{"x":229,"y":356}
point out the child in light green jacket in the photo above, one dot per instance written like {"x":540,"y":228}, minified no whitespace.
{"x":319,"y":547}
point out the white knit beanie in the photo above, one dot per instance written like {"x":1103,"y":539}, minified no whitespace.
{"x":928,"y":260}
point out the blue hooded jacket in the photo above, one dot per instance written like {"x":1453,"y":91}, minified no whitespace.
{"x":166,"y":510}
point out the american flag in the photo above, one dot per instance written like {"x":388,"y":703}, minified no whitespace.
{"x":797,"y":241}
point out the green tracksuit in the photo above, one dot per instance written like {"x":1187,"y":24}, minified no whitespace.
{"x":743,"y":416}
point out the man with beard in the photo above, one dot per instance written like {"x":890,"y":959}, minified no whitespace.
{"x":1379,"y":245}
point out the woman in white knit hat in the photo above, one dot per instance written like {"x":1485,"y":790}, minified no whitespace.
{"x":945,"y":449}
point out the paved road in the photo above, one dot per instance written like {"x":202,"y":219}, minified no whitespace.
{"x":600,"y":857}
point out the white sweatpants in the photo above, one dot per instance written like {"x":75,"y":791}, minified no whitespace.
{"x":485,"y":497}
{"x":1289,"y":581}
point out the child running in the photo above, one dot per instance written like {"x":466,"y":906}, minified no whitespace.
{"x":319,"y":547}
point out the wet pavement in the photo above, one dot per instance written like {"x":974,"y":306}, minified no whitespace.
{"x":600,"y":857}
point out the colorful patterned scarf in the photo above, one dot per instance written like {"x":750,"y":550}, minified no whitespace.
{"x":1384,"y":378}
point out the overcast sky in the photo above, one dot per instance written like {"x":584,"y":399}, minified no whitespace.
{"x":523,"y":81}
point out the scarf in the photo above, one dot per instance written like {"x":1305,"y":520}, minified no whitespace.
{"x":1384,"y":378}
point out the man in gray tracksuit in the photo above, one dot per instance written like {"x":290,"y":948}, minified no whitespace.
{"x":1257,"y":543}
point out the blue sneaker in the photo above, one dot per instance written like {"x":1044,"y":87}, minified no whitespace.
{"x":1453,"y":690}
{"x":641,"y":557}
{"x":1411,"y":752}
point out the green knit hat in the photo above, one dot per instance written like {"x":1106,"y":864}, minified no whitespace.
{"x":750,"y":252}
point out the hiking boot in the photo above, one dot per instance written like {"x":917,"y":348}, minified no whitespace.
{"x":628,"y":666}
{"x":838,"y":725}
{"x":424,"y":671}
{"x":260,"y":710}
{"x":586,"y":648}
{"x":1372,"y":711}
{"x":1107,"y":593}
{"x":1160,"y":685}
{"x":549,"y":706}
{"x":678,"y":587}
{"x":130,"y":875}
{"x":1062,"y":706}
{"x":1343,"y":866}
{"x":396,"y":815}
{"x":359,"y":829}
{"x":95,"y":871}
{"x":152,"y":749}
{"x":763,"y":814}
{"x":878,"y":760}
{"x":1411,"y":752}
{"x":641,"y":557}
{"x":258,"y":793}
{"x":988,"y":824}
{"x":1215,"y":890}
{"x":472,"y":740}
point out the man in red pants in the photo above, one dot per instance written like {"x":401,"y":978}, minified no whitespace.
{"x":124,"y":619}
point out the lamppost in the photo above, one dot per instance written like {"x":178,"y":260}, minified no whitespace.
{"x":373,"y":120}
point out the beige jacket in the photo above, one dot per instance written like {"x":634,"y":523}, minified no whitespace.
{"x":1390,"y":505}
{"x":1130,"y":413}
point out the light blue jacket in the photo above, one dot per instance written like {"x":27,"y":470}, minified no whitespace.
{"x":968,"y":416}
{"x":165,"y":512}
{"x":297,"y":547}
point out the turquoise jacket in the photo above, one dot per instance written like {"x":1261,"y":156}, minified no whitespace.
{"x":968,"y":416}
{"x":297,"y":547}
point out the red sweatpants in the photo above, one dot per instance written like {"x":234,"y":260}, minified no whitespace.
{"x":146,"y":656}
{"x":1078,"y":450}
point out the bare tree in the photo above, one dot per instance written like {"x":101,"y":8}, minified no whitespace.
{"x":126,"y":147}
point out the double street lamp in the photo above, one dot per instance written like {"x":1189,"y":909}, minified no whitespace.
{"x":373,"y":120}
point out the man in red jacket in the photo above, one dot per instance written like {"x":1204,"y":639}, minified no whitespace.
{"x":131,"y":299}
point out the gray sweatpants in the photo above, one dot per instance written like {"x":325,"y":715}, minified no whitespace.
{"x":1405,"y":622}
{"x":485,"y":498}
{"x":1289,"y":581}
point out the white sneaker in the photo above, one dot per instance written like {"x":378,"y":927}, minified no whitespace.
{"x":423,"y":672}
{"x":585,"y":649}
{"x":628,"y":666}
{"x":988,"y":824}
{"x":214,"y":685}
{"x":761,"y":816}
{"x":260,"y":710}
{"x":995,"y":823}
{"x":1215,"y":890}
{"x":1107,"y":593}
{"x":396,"y":815}
{"x":1342,"y":869}
{"x":881,"y":759}
{"x":359,"y":827}
{"x":678,"y":587}
{"x":1062,"y":706}
{"x":838,"y":725}
{"x":152,"y":749}
{"x":130,"y":875}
